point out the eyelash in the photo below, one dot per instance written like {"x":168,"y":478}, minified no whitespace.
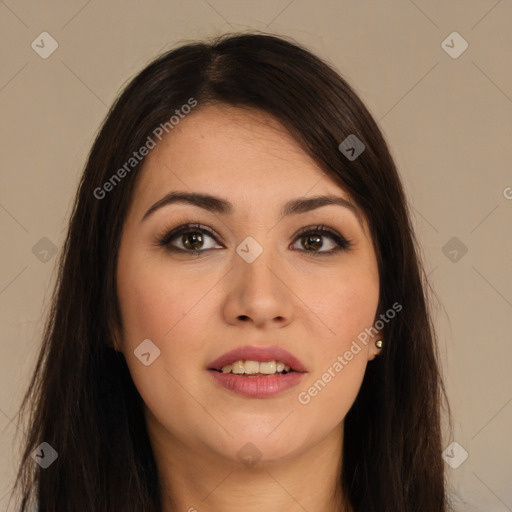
{"x":164,"y":241}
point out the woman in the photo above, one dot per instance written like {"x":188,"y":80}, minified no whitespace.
{"x":241,"y":317}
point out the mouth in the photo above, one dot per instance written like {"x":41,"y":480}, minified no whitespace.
{"x":257,"y":361}
{"x":257,"y":372}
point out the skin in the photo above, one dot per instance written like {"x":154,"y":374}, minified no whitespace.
{"x":194,"y":309}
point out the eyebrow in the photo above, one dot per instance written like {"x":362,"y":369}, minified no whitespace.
{"x":222,"y":206}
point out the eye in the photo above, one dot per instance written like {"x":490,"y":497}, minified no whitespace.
{"x":311,"y":239}
{"x":190,"y":238}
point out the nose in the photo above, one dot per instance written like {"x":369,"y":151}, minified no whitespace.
{"x":259,"y":294}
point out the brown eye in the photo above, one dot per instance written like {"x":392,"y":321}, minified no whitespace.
{"x":192,"y":240}
{"x":312,"y":240}
{"x":189,"y":238}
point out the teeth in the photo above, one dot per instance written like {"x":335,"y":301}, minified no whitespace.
{"x":254,"y":367}
{"x":267,"y":368}
{"x":251,"y":367}
{"x":237,"y":367}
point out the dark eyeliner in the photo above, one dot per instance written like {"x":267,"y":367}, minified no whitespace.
{"x":342,"y":242}
{"x":164,"y":240}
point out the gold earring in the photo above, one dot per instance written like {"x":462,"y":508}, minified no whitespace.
{"x":378,"y":344}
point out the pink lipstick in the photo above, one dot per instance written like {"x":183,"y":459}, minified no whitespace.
{"x":257,"y":372}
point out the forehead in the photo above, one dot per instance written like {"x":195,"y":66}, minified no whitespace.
{"x":235,"y":150}
{"x":223,"y":144}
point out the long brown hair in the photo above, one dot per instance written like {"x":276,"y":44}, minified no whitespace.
{"x":81,"y":399}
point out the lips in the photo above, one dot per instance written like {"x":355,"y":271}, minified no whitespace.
{"x":260,"y":354}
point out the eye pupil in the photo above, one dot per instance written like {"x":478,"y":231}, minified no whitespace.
{"x":197,"y":239}
{"x":316,"y":244}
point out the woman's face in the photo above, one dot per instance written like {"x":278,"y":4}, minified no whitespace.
{"x":251,"y":279}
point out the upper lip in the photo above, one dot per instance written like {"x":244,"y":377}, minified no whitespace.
{"x":257,"y":353}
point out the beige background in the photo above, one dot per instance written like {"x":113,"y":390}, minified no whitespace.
{"x":448,"y":122}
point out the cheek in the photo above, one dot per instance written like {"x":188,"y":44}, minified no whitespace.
{"x":349,"y":307}
{"x":341,"y":359}
{"x":154,"y":302}
{"x":325,"y":401}
{"x":153,"y":299}
{"x":165,"y":306}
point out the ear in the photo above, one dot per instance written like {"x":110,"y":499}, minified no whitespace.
{"x":115,"y":346}
{"x":373,"y":350}
{"x":114,"y":341}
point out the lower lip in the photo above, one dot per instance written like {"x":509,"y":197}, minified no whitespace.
{"x":257,"y":387}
